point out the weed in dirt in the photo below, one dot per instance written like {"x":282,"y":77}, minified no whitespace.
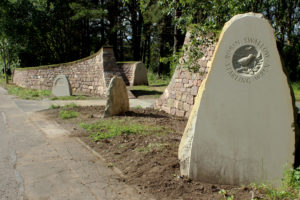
{"x":110,"y":128}
{"x":68,"y":114}
{"x":52,"y":107}
{"x":225,"y":195}
{"x":70,"y":106}
{"x":290,"y":188}
{"x":139,"y":107}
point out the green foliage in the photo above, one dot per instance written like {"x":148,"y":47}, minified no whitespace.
{"x":147,"y":30}
{"x":225,"y":195}
{"x":67,"y":114}
{"x":71,"y":106}
{"x":200,"y":36}
{"x":139,"y":107}
{"x":25,"y":93}
{"x":110,"y":128}
{"x":290,"y":188}
{"x":77,"y":97}
{"x":296,"y":89}
{"x":53,"y":107}
{"x":155,"y":79}
{"x":173,"y":60}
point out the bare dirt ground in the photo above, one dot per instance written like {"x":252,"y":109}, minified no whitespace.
{"x":149,"y":161}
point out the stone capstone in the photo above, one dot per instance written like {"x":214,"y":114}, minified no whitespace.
{"x":61,"y":86}
{"x":117,"y":99}
{"x":241,"y":129}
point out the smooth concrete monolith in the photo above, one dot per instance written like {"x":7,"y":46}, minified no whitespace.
{"x":117,"y":99}
{"x":242,"y":127}
{"x":61,"y":86}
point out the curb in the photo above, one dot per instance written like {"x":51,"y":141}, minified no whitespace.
{"x":115,"y":169}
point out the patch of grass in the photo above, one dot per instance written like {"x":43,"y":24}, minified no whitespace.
{"x":225,"y":195}
{"x":68,"y":114}
{"x":71,"y":106}
{"x":139,"y":107}
{"x":296,"y":88}
{"x":145,"y":90}
{"x":77,"y":97}
{"x":25,"y":93}
{"x":108,"y":128}
{"x":52,"y":107}
{"x":290,"y":187}
{"x":154,"y":79}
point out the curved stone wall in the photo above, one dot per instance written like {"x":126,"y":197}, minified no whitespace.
{"x":89,"y":75}
{"x":178,"y":98}
{"x":134,"y":73}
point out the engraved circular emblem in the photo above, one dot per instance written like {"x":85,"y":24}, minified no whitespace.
{"x":247,"y":60}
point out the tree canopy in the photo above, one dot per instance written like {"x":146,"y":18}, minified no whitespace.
{"x":55,"y":31}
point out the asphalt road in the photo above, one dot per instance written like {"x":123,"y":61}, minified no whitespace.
{"x":39,"y":161}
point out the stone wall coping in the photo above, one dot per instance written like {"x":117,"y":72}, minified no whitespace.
{"x":67,"y":64}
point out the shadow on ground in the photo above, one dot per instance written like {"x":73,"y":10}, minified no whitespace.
{"x":138,"y":93}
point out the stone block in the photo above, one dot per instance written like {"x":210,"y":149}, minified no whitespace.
{"x":240,"y":131}
{"x":180,"y":113}
{"x":117,"y":98}
{"x":61,"y":86}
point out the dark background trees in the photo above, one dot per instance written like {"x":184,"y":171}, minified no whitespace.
{"x":56,"y":31}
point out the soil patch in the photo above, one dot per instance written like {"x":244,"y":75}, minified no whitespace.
{"x":148,"y":161}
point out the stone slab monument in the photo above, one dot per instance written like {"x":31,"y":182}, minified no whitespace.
{"x":61,"y":86}
{"x":140,"y":74}
{"x":117,"y":99}
{"x":241,"y":128}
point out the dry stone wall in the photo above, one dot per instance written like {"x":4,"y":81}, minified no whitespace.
{"x":178,"y":98}
{"x":90,"y":75}
{"x":133,"y":73}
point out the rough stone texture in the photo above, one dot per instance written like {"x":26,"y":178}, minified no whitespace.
{"x":242,"y":127}
{"x":90,"y":75}
{"x":61,"y":86}
{"x":184,"y":85}
{"x":117,"y":99}
{"x":134,"y":73}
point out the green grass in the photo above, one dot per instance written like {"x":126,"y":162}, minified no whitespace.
{"x":290,"y":187}
{"x":52,"y":107}
{"x":77,"y":97}
{"x":68,"y":114}
{"x":109,"y":128}
{"x":71,"y":106}
{"x":24,"y":93}
{"x":296,"y":88}
{"x":155,"y":80}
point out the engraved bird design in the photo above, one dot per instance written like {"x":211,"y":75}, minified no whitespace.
{"x":246,"y":63}
{"x":246,"y":60}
